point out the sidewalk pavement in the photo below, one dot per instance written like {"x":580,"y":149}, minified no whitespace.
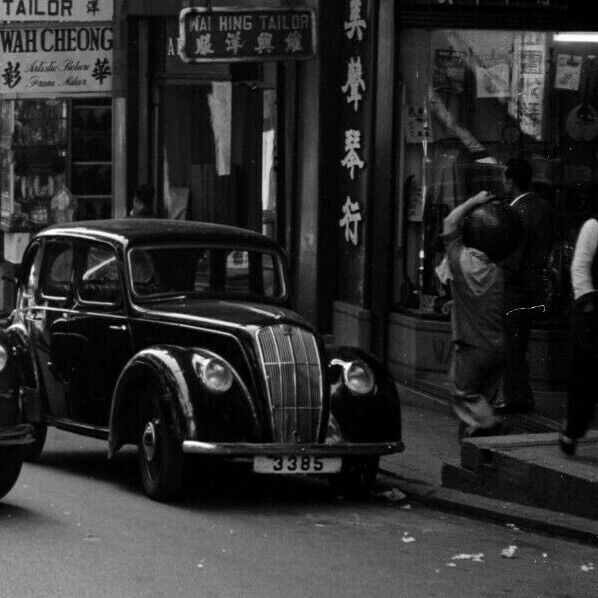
{"x":521,"y":478}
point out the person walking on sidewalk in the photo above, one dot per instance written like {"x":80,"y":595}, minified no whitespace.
{"x":523,"y":283}
{"x":478,"y":234}
{"x":583,"y":379}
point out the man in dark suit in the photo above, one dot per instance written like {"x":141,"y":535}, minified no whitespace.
{"x":523,"y":272}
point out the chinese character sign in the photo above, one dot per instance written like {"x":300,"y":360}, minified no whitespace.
{"x":351,"y":161}
{"x":355,"y":25}
{"x":55,"y":59}
{"x":354,"y":59}
{"x":350,"y":221}
{"x":246,"y":34}
{"x":355,"y":83}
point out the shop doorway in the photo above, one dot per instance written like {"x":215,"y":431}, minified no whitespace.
{"x":214,"y":153}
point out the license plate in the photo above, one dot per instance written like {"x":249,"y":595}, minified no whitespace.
{"x":289,"y":464}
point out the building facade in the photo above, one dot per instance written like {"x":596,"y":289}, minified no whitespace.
{"x":56,"y":95}
{"x":460,"y":87}
{"x":346,"y":130}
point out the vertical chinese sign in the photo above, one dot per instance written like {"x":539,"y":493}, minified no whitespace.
{"x":353,"y":145}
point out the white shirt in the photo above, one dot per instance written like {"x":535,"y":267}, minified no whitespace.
{"x":583,"y":258}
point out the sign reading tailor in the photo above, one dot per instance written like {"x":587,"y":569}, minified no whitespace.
{"x":208,"y":35}
{"x":56,"y":10}
{"x":56,"y":60}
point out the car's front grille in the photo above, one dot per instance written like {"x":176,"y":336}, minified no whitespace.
{"x":293,"y":373}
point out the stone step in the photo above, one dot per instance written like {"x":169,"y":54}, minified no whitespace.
{"x":529,"y":469}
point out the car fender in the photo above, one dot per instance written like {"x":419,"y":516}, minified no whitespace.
{"x":10,"y":404}
{"x":28,"y":382}
{"x":375,"y":417}
{"x":172,"y":369}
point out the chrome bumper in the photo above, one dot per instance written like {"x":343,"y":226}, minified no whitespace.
{"x":14,"y":435}
{"x":239,"y":449}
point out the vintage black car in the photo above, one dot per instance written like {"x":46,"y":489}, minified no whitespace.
{"x":178,"y":337}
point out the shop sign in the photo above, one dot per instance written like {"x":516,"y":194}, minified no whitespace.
{"x":355,"y":58}
{"x":208,"y":35}
{"x":55,"y":60}
{"x":484,"y":3}
{"x":56,"y":10}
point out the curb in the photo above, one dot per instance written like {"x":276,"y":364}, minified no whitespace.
{"x":500,"y":511}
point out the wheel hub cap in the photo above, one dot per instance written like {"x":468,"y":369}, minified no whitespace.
{"x":150,"y":439}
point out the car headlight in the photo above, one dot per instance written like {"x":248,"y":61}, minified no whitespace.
{"x":214,"y":374}
{"x":3,"y":358}
{"x":358,"y":377}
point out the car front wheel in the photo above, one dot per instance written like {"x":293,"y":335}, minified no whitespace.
{"x":11,"y":461}
{"x":357,"y":476}
{"x":160,"y":459}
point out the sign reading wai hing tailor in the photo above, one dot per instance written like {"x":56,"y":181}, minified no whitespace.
{"x":56,"y":10}
{"x":55,"y":60}
{"x":208,"y":35}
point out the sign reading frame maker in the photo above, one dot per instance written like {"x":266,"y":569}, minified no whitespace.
{"x":246,"y":34}
{"x":56,"y":60}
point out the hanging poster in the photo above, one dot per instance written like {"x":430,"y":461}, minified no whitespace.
{"x":492,"y":81}
{"x":568,"y":72}
{"x":528,"y":83}
{"x":416,"y":125}
{"x":449,"y":70}
{"x":56,"y":10}
{"x":57,"y":60}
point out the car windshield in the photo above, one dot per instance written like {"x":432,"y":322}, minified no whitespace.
{"x":230,"y":272}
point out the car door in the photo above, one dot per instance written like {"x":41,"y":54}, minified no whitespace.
{"x":99,"y":332}
{"x":46,"y":317}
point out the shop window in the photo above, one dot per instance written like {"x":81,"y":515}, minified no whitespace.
{"x":218,"y":151}
{"x":472,"y":99}
{"x":55,"y":161}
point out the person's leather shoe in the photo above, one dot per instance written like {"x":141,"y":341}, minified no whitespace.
{"x":567,"y":445}
{"x":503,"y":408}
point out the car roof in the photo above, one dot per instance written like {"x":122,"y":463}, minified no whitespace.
{"x":141,"y":231}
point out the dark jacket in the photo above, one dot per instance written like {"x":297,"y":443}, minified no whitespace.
{"x":525,"y":267}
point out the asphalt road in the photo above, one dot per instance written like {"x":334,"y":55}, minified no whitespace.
{"x":77,"y":525}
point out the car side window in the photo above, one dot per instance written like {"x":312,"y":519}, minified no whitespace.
{"x":56,"y":280}
{"x":100,"y":280}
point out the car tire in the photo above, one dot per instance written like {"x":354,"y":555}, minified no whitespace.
{"x":160,"y":457}
{"x":33,"y":451}
{"x":357,"y":476}
{"x":11,"y":461}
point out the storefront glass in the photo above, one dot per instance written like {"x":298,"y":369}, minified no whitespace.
{"x":56,"y":161}
{"x":218,"y":156}
{"x":472,"y":99}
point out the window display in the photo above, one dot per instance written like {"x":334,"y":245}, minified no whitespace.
{"x":55,"y":161}
{"x":472,"y":100}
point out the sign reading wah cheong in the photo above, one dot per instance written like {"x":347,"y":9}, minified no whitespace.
{"x":224,"y":35}
{"x":59,"y":60}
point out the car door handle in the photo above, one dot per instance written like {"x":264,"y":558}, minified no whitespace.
{"x":117,"y":327}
